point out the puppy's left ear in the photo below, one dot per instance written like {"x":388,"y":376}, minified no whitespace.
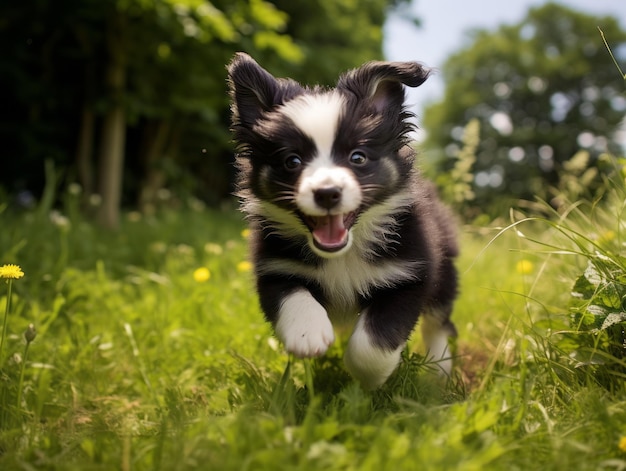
{"x":381,"y":82}
{"x":254,"y":90}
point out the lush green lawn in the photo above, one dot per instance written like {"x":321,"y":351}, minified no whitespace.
{"x":151,"y":353}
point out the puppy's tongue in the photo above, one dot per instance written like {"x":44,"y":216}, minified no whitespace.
{"x":330,"y":231}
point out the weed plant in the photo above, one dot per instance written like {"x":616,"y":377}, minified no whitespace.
{"x":152,"y":354}
{"x":589,"y":234}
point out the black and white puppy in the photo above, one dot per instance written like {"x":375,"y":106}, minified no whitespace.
{"x":343,"y":229}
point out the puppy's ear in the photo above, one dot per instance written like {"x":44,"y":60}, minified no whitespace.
{"x":380,"y":83}
{"x":254,"y":90}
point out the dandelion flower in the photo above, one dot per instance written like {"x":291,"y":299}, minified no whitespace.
{"x":622,"y":444}
{"x":606,"y":237}
{"x":201,"y":274}
{"x":244,"y":266}
{"x":245,"y":233}
{"x":74,"y":189}
{"x":11,"y":271}
{"x":59,"y":220}
{"x":524,"y":267}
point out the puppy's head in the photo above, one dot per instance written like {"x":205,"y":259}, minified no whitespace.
{"x":312,"y":161}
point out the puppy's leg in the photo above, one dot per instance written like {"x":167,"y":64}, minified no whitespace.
{"x":436,"y":325}
{"x":303,"y":326}
{"x":381,"y":333}
{"x":369,"y":362}
{"x":436,"y":330}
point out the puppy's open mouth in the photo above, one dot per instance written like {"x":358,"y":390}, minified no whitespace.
{"x":330,"y":232}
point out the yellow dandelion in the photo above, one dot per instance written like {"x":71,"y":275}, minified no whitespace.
{"x":245,"y":233}
{"x":11,"y":271}
{"x":606,"y":237}
{"x":622,"y":444}
{"x":524,"y":267}
{"x":201,"y":274}
{"x":244,"y":266}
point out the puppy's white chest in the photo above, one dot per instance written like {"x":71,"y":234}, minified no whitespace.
{"x":346,"y":279}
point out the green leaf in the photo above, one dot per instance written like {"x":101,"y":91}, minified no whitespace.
{"x":282,"y":44}
{"x":583,"y":289}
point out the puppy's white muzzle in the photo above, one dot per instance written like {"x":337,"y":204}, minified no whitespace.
{"x":328,"y":198}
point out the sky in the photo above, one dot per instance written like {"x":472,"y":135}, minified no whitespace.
{"x":444,"y":27}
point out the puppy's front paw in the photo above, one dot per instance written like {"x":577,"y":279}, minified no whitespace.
{"x":303,"y":325}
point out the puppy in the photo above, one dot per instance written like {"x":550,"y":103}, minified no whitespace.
{"x":343,"y":228}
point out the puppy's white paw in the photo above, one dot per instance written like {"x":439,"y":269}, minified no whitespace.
{"x":303,"y":325}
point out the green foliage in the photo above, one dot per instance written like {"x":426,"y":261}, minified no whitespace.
{"x":591,"y":337}
{"x":543,"y":90}
{"x":352,"y":37}
{"x":599,"y":295}
{"x":170,"y":58}
{"x":456,"y":185}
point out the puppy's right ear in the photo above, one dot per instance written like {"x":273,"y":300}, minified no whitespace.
{"x":253,"y":90}
{"x":380,"y":83}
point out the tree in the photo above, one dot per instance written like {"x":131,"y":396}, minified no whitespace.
{"x":130,"y":96}
{"x":541,"y":90}
{"x":120,"y":67}
{"x":334,"y":36}
{"x":169,"y":49}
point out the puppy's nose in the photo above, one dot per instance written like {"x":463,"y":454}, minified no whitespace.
{"x":328,"y":198}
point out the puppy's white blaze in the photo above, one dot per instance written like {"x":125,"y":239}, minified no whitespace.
{"x":322,"y":173}
{"x":303,"y":325}
{"x":436,"y":342}
{"x":369,"y":364}
{"x":318,"y":117}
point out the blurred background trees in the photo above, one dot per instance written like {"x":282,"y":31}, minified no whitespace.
{"x":548,"y":103}
{"x":128,"y":98}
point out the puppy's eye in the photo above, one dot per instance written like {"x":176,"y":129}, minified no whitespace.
{"x":358,"y":158}
{"x":292,"y":162}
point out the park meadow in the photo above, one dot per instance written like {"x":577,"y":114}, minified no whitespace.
{"x":131,"y":333}
{"x":146,"y":348}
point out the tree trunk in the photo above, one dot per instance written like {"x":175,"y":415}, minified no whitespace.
{"x":84,"y":150}
{"x":85,"y":143}
{"x":156,"y":135}
{"x":113,"y":138}
{"x":111,"y":165}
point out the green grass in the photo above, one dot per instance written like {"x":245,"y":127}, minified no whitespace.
{"x":136,"y":365}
